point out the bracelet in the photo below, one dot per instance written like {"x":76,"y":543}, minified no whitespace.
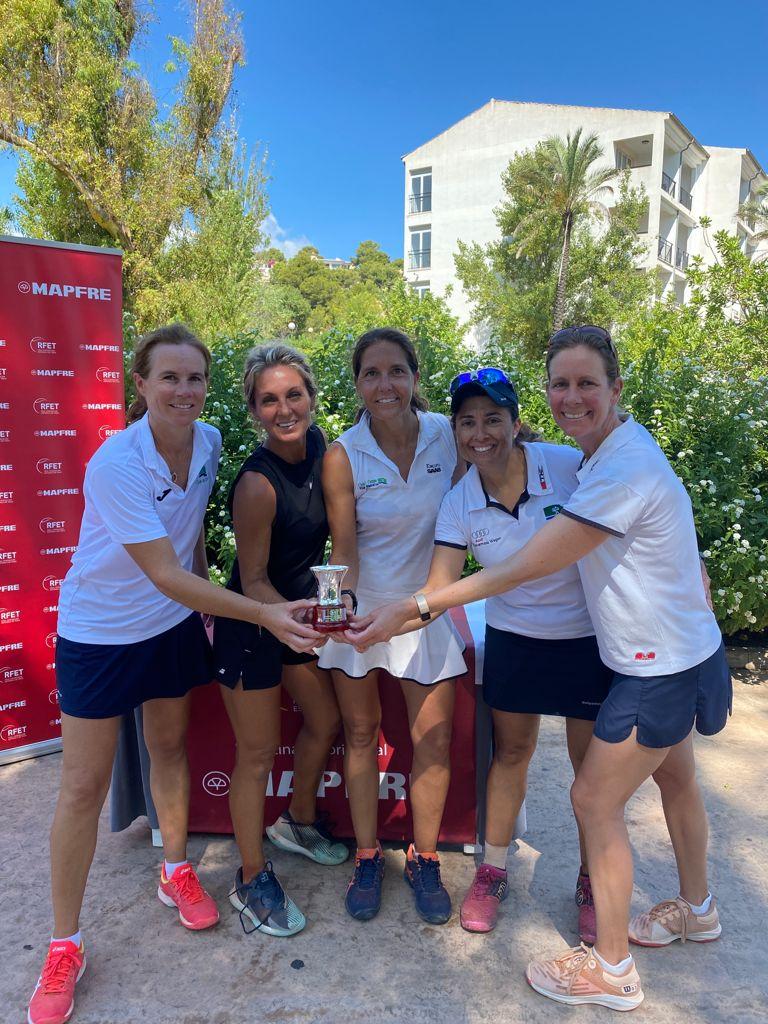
{"x":423,"y":605}
{"x":353,"y":595}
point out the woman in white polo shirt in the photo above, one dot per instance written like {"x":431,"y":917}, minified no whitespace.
{"x":540,"y":657}
{"x":383,"y":482}
{"x":129,"y":633}
{"x":629,"y":527}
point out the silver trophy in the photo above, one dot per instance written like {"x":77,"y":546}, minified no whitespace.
{"x":330,"y":614}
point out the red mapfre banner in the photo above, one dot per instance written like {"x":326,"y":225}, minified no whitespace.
{"x":61,"y":395}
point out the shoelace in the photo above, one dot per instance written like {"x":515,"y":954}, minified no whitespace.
{"x":671,"y":908}
{"x":430,"y":874}
{"x":188,"y":887}
{"x":484,"y":883}
{"x":57,"y":969}
{"x":584,"y":891}
{"x":366,"y":870}
{"x":267,"y":891}
{"x":572,"y":961}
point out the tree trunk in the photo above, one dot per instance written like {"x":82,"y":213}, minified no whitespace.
{"x":558,"y":313}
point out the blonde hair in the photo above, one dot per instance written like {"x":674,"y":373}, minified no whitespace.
{"x":171,"y":334}
{"x":275,"y":353}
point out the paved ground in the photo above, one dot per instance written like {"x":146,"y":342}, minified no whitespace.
{"x":144,"y":968}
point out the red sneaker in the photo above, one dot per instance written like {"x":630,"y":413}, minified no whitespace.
{"x":53,"y":1000}
{"x":182,"y":890}
{"x":586,"y":905}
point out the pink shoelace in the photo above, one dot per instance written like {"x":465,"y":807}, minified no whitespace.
{"x":58,"y":967}
{"x":188,"y":886}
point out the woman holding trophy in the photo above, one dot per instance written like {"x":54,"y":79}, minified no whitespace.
{"x":383,"y":481}
{"x":280,"y":525}
{"x":129,"y":633}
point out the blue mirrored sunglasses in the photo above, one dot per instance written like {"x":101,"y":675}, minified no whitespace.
{"x":485,"y":375}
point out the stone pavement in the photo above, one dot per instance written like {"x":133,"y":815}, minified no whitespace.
{"x":144,"y":968}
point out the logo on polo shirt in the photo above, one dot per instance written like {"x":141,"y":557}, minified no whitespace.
{"x":203,"y":474}
{"x":434,"y":467}
{"x":377,"y":481}
{"x":480,"y":538}
{"x":542,"y":479}
{"x":550,"y":511}
{"x":645,"y":655}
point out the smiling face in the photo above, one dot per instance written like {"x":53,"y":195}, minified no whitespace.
{"x":175,"y":387}
{"x":485,"y":433}
{"x":582,"y":399}
{"x":385,"y":382}
{"x":282,"y":405}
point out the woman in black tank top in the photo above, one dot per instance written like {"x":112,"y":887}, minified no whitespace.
{"x":277,"y":508}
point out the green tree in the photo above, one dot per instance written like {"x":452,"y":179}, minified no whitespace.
{"x":512,"y":283}
{"x":101,"y":162}
{"x":372,"y":266}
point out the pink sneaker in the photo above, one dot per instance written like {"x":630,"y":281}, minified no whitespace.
{"x":182,"y":890}
{"x":674,"y":919}
{"x":53,"y":1000}
{"x":586,"y":905}
{"x":480,"y":908}
{"x":577,"y":977}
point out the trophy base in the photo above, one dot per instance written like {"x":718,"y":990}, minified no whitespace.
{"x":331,"y":619}
{"x":329,"y":627}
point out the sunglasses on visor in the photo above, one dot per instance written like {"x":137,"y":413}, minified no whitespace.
{"x":485,"y":375}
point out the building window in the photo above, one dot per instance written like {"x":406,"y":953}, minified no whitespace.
{"x":420,"y":199}
{"x":420,"y":252}
{"x":421,"y":288}
{"x":622,"y":160}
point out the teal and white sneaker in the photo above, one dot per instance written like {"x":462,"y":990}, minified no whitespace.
{"x":314,"y":841}
{"x":265,"y":906}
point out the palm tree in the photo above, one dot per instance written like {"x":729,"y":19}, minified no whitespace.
{"x":564,"y":181}
{"x":755,"y":213}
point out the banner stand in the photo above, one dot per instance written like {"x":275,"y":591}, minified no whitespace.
{"x":30,"y":750}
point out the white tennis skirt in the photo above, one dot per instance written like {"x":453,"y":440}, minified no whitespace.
{"x":426,"y":656}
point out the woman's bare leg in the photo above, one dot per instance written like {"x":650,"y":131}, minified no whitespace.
{"x":312,"y":689}
{"x":514,"y":742}
{"x":578,"y":733}
{"x":361,"y":715}
{"x":165,"y":733}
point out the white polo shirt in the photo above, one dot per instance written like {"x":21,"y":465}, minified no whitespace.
{"x":643,"y":584}
{"x":553,"y":607}
{"x":396,"y":517}
{"x":130,"y":498}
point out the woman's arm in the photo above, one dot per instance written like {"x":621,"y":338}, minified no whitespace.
{"x":339,"y":495}
{"x":158,"y":560}
{"x":558,"y":544}
{"x":253,"y":513}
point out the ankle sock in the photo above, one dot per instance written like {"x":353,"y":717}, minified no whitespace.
{"x":170,"y":868}
{"x":75,"y":939}
{"x":364,"y":851}
{"x":614,"y":969}
{"x":702,"y":908}
{"x":496,"y":856}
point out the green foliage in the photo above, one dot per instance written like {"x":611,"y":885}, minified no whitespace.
{"x":512,"y":283}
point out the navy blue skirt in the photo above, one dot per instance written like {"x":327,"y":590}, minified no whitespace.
{"x":106,"y":680}
{"x":526,"y":675}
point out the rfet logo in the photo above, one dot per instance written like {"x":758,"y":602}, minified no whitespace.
{"x":9,"y":615}
{"x":43,"y":346}
{"x":13,"y":733}
{"x":11,"y":675}
{"x":8,"y":557}
{"x":48,"y":467}
{"x":49,"y":526}
{"x":53,"y":697}
{"x":106,"y":431}
{"x":45,"y":408}
{"x":216,"y":783}
{"x":52,"y":583}
{"x":50,"y":640}
{"x":645,"y":655}
{"x":3,"y":373}
{"x":107,"y":376}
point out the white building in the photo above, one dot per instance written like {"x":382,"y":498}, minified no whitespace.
{"x":453,"y":184}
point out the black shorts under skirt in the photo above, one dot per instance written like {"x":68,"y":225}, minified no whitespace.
{"x":529,"y":676}
{"x":244,"y":651}
{"x":106,"y":680}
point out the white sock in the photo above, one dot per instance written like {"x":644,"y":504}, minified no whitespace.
{"x":615,"y":969}
{"x":702,"y":908}
{"x":75,"y":939}
{"x":170,"y":868}
{"x":496,"y":856}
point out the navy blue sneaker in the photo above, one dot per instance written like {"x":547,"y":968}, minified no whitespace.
{"x":363,"y":899}
{"x":433,"y":903}
{"x":265,"y":906}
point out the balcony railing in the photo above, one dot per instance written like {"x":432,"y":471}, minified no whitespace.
{"x":686,"y":198}
{"x":681,"y":259}
{"x":665,"y":251}
{"x":668,"y":184}
{"x":419,"y":259}
{"x":420,"y":203}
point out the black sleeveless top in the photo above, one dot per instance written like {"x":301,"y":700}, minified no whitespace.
{"x":300,"y":526}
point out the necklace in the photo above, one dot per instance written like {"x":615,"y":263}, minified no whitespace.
{"x":183,"y":460}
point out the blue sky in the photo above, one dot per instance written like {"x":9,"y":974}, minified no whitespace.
{"x":338,"y":92}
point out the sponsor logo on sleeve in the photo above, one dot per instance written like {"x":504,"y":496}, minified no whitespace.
{"x":550,"y":511}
